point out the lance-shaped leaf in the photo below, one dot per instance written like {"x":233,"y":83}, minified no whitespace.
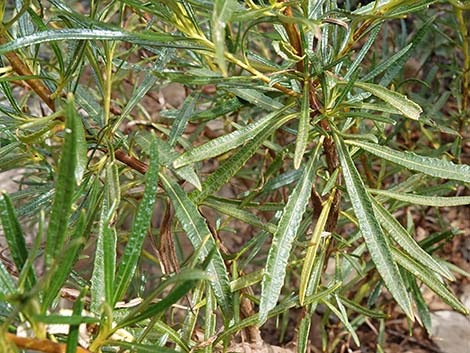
{"x":201,"y":238}
{"x":275,"y":270}
{"x":224,"y":143}
{"x":303,"y":129}
{"x":65,"y":185}
{"x":427,"y":165}
{"x":152,"y":39}
{"x":166,"y":156}
{"x":436,"y":201}
{"x":221,"y":14}
{"x":7,"y":285}
{"x":132,"y":252}
{"x":82,"y":148}
{"x":406,"y":241}
{"x":231,"y":166}
{"x":257,"y":98}
{"x":181,"y":120}
{"x":343,"y":317}
{"x":102,"y":279}
{"x":238,"y":213}
{"x":371,"y":231}
{"x":62,"y":266}
{"x":407,"y":107}
{"x":14,"y":237}
{"x":429,"y":279}
{"x":310,"y":257}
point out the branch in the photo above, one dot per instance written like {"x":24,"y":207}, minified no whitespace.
{"x":42,"y":91}
{"x":40,"y":345}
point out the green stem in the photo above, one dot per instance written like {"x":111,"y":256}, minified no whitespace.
{"x":459,"y":12}
{"x":108,"y":83}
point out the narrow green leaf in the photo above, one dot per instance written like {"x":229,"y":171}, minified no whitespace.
{"x":161,"y":327}
{"x":421,"y":305}
{"x":220,"y":16}
{"x":82,"y":147}
{"x":387,"y":63}
{"x":145,"y":38}
{"x":63,"y":264}
{"x":89,"y":104}
{"x":55,"y":319}
{"x":420,"y":35}
{"x":281,"y":308}
{"x":102,"y":279}
{"x":133,"y":249}
{"x":231,"y":166}
{"x":304,"y":126}
{"x":310,"y":257}
{"x":257,"y":98}
{"x":65,"y":186}
{"x":429,"y":279}
{"x":14,"y":237}
{"x":427,"y":165}
{"x":407,"y":107}
{"x":140,"y":347}
{"x":238,"y":213}
{"x":160,"y":307}
{"x":201,"y":238}
{"x":371,"y":231}
{"x":225,"y":143}
{"x":360,"y":309}
{"x":181,"y":120}
{"x":74,"y":333}
{"x":415,"y":199}
{"x":166,"y":156}
{"x":141,"y":89}
{"x":406,"y":241}
{"x":343,"y":317}
{"x":7,"y":285}
{"x":303,"y":336}
{"x":362,"y":53}
{"x":222,"y":108}
{"x":246,"y":281}
{"x":279,"y":252}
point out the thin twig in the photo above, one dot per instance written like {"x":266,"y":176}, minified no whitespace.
{"x":41,"y":345}
{"x":42,"y":91}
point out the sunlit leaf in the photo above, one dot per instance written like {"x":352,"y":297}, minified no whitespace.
{"x":313,"y":244}
{"x":427,"y":165}
{"x":407,"y":107}
{"x":304,"y":126}
{"x":224,"y":143}
{"x":371,"y":231}
{"x":221,"y":14}
{"x":406,"y":241}
{"x":65,"y":185}
{"x":415,"y":199}
{"x":429,"y":279}
{"x":275,"y":269}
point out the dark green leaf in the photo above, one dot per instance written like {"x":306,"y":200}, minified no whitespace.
{"x":133,"y":249}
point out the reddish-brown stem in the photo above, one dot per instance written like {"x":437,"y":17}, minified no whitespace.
{"x":328,"y":144}
{"x":40,"y":345}
{"x":21,"y":68}
{"x":294,"y":39}
{"x":44,"y":93}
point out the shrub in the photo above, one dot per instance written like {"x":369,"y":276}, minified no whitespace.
{"x":287,"y":178}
